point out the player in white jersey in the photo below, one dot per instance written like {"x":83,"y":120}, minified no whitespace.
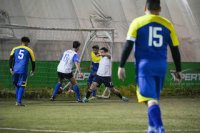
{"x":104,"y":76}
{"x":64,"y":69}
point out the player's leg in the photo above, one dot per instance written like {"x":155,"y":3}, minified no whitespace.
{"x":15,"y":79}
{"x":90,"y":79}
{"x":93,"y":86}
{"x":149,"y":92}
{"x":58,"y":85}
{"x":108,"y":83}
{"x":154,"y":113}
{"x":75,"y":88}
{"x":117,"y":93}
{"x":142,"y":99}
{"x":22,"y":84}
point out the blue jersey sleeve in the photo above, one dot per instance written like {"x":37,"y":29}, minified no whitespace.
{"x":76,"y":58}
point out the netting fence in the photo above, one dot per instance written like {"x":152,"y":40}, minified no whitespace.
{"x":48,"y":45}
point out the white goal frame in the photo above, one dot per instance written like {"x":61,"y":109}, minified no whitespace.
{"x":92,"y":34}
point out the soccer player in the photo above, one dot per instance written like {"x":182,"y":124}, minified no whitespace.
{"x":18,"y":62}
{"x":64,"y":69}
{"x":151,"y":34}
{"x":104,"y":76}
{"x":95,"y":58}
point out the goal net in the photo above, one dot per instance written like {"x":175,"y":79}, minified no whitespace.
{"x":48,"y":45}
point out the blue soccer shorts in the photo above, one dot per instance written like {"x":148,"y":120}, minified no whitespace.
{"x":19,"y":79}
{"x":91,"y":77}
{"x":149,"y":87}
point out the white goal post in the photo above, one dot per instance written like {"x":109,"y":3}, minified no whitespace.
{"x":46,"y":33}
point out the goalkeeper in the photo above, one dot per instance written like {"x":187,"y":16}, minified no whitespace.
{"x":64,"y":69}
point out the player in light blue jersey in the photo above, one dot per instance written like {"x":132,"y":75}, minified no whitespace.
{"x":64,"y":69}
{"x":19,"y":59}
{"x":150,"y":35}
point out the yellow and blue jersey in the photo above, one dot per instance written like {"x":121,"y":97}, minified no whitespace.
{"x":95,"y":61}
{"x":151,"y":34}
{"x":21,"y":55}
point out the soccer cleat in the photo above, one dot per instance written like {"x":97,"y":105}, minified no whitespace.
{"x":85,"y":100}
{"x":52,"y":99}
{"x":151,"y":132}
{"x":19,"y":104}
{"x":151,"y":129}
{"x":161,"y":130}
{"x":79,"y":101}
{"x":125,"y":99}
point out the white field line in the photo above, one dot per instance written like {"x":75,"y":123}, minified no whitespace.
{"x":122,"y":131}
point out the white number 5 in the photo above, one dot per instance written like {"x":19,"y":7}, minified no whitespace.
{"x":21,"y":54}
{"x":153,"y":34}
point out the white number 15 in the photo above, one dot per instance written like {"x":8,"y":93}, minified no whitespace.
{"x":153,"y":34}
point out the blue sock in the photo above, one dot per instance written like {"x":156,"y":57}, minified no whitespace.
{"x":57,"y":87}
{"x":20,"y":94}
{"x":77,"y":92}
{"x":151,"y":127}
{"x":16,"y":92}
{"x":94,"y":93}
{"x":155,"y":115}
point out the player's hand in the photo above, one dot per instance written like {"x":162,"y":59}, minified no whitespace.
{"x":11,"y":71}
{"x":176,"y":75}
{"x":121,"y":73}
{"x":31,"y":73}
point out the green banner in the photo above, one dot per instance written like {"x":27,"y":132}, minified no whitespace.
{"x":46,"y":75}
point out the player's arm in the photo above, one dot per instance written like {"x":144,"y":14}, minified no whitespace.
{"x":176,"y":57}
{"x":77,"y":64}
{"x":11,"y":59}
{"x":126,"y":52}
{"x":32,"y":56}
{"x":174,"y":43}
{"x":131,"y":37}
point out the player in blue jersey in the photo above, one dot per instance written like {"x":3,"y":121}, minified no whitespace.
{"x":150,"y":35}
{"x":64,"y":69}
{"x":18,"y":62}
{"x":95,"y":58}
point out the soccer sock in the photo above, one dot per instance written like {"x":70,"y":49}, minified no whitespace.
{"x":77,"y":92}
{"x":155,"y":115}
{"x":151,"y":127}
{"x":94,"y":93}
{"x":57,"y":87}
{"x":20,"y":94}
{"x":16,"y":92}
{"x":88,"y":94}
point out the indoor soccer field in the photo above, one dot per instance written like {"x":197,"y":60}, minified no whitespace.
{"x":180,"y":115}
{"x":54,"y":54}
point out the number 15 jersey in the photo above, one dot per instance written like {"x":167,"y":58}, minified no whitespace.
{"x":151,"y":34}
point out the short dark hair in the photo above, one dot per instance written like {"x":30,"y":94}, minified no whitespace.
{"x":25,"y":39}
{"x":95,"y":47}
{"x":104,"y":49}
{"x":76,"y":44}
{"x":153,"y":4}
